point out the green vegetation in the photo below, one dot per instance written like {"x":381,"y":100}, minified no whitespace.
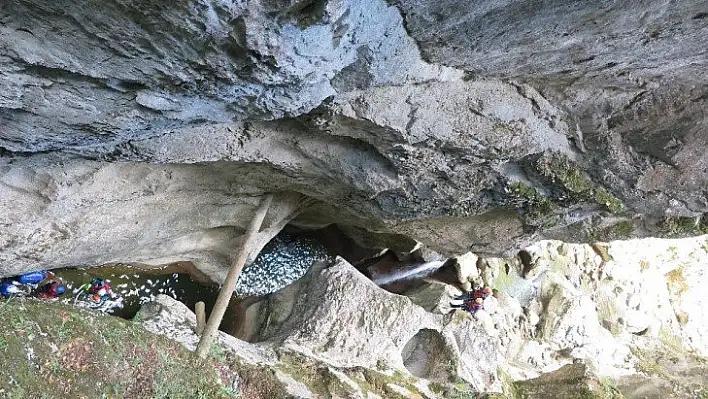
{"x":564,"y":173}
{"x":501,"y":127}
{"x":676,"y":281}
{"x":537,"y":209}
{"x":611,"y":203}
{"x":378,"y":383}
{"x":676,"y":227}
{"x":51,"y":350}
{"x":621,"y":230}
{"x":683,"y":370}
{"x":508,"y":387}
{"x":318,"y":378}
{"x":561,"y":170}
{"x":567,"y":184}
{"x":565,"y":382}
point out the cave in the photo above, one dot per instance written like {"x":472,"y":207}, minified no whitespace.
{"x":147,"y":132}
{"x":426,"y":355}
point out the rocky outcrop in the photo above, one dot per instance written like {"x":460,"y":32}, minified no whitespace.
{"x":569,"y":381}
{"x":338,"y":314}
{"x":629,"y":78}
{"x":582,"y":319}
{"x":623,"y":308}
{"x":140,"y":131}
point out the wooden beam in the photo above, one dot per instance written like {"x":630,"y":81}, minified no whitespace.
{"x":200,"y":311}
{"x":222,"y":301}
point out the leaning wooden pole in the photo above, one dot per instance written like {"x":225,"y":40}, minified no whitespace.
{"x":222,"y":301}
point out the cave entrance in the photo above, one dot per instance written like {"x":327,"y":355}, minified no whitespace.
{"x":389,"y":260}
{"x":427,"y":356}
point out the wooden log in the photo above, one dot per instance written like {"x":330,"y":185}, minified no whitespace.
{"x":227,"y":289}
{"x":200,"y":311}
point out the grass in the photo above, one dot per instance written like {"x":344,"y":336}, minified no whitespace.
{"x":76,"y":353}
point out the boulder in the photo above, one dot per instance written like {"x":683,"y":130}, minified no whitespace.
{"x":572,"y":381}
{"x":339,"y":315}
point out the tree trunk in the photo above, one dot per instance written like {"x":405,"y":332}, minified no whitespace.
{"x":222,"y":301}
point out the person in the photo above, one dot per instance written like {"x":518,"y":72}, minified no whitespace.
{"x":100,"y":290}
{"x":469,"y":305}
{"x":483,"y":293}
{"x":52,"y":290}
{"x":35,"y":277}
{"x":8,"y":289}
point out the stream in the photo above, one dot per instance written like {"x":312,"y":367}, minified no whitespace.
{"x":284,"y":260}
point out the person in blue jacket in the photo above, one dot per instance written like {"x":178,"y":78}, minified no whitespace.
{"x":7,"y":289}
{"x":35,"y":277}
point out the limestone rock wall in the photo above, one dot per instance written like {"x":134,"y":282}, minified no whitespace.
{"x":623,"y":314}
{"x":142,"y":130}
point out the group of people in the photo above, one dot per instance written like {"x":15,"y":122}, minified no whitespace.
{"x":472,"y":301}
{"x":44,"y":285}
{"x":41,"y":283}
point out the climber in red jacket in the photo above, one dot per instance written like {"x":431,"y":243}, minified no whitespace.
{"x":483,"y":293}
{"x":470,"y":305}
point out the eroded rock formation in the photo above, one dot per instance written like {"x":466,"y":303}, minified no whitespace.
{"x":620,"y":319}
{"x":140,"y":131}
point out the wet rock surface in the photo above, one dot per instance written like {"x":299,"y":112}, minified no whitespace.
{"x":282,"y":261}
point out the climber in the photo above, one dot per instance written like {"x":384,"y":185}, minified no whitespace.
{"x":8,"y":289}
{"x":100,"y":289}
{"x":484,"y":293}
{"x":52,"y":290}
{"x":34,"y":277}
{"x":469,"y":305}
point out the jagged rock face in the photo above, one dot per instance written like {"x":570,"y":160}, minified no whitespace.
{"x":627,"y":314}
{"x":570,"y":381}
{"x":346,"y":305}
{"x":140,"y":131}
{"x":626,"y":76}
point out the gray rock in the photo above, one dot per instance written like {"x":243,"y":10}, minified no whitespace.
{"x":576,"y":381}
{"x":340,"y":315}
{"x":142,"y":132}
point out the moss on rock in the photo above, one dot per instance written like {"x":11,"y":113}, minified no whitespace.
{"x":621,"y":230}
{"x":52,"y":350}
{"x":572,"y":381}
{"x":565,"y":174}
{"x":676,"y":227}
